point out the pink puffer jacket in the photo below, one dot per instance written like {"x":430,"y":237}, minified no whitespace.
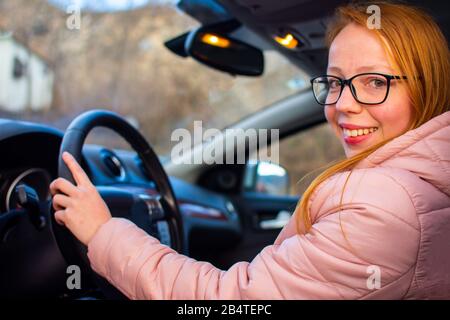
{"x":391,"y":240}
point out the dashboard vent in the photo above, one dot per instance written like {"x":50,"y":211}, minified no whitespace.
{"x":113,"y":164}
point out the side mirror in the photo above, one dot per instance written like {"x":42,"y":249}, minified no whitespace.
{"x":216,"y":49}
{"x":266,"y":177}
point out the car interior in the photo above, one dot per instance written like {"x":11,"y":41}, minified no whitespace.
{"x":210,"y":212}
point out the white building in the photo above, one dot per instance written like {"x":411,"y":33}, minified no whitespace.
{"x":26,"y":81}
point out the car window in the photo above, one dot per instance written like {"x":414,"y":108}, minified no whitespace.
{"x":117,"y":60}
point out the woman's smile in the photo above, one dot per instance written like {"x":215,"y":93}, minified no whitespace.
{"x":354,"y":134}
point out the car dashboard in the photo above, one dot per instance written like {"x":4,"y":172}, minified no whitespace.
{"x":29,"y":155}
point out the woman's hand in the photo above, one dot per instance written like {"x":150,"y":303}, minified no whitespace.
{"x":80,"y":208}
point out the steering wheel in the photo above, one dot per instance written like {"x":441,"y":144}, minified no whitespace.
{"x":145,"y":210}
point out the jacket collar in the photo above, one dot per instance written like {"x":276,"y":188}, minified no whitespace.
{"x":425,"y":151}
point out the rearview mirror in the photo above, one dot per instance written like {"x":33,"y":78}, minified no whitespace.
{"x":219,"y":51}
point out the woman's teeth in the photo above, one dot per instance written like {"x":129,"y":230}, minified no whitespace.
{"x":358,"y":132}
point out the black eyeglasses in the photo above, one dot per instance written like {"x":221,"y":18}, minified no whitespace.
{"x":366,"y":88}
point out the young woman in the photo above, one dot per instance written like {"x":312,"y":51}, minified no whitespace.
{"x":375,"y":225}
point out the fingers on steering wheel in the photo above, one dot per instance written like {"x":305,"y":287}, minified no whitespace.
{"x":62,"y":185}
{"x":78,"y":173}
{"x":61,"y":202}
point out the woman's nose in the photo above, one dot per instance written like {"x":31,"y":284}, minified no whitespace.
{"x":347,"y":102}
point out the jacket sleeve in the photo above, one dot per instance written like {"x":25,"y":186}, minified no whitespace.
{"x":346,"y":255}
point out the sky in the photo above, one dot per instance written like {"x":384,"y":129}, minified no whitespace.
{"x":106,"y":5}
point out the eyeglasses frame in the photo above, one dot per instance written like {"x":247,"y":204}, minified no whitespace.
{"x":348,"y":82}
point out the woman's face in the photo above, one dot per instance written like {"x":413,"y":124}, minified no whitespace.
{"x":356,"y":50}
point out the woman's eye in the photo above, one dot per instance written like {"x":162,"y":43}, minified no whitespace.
{"x":334,"y":84}
{"x":377,"y":83}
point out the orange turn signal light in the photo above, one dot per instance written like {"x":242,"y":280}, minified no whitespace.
{"x":215,"y":40}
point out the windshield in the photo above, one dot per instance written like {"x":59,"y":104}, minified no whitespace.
{"x":63,"y":60}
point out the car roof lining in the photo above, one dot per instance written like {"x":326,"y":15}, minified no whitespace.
{"x":309,"y":18}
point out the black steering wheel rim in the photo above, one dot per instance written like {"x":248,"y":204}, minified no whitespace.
{"x":73,"y":250}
